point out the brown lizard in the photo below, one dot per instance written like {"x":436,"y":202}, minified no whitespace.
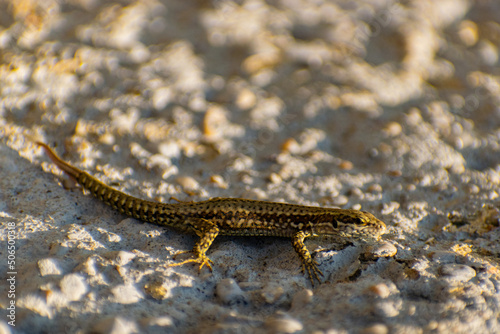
{"x":235,"y":216}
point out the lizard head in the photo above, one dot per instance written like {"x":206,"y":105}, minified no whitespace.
{"x":350,"y":224}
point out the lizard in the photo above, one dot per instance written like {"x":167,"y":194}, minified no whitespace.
{"x":234,"y":217}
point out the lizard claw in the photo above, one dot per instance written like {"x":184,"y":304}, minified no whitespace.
{"x":311,"y":268}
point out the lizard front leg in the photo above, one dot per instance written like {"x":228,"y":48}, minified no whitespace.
{"x":207,"y":231}
{"x":308,"y":264}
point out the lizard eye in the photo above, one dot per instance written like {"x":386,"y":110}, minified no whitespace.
{"x":358,"y":221}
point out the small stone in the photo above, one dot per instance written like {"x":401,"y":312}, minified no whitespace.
{"x":389,"y":208}
{"x":393,"y":129}
{"x":156,"y":290}
{"x":473,"y":189}
{"x":126,"y":294}
{"x":49,"y":267}
{"x":488,"y":52}
{"x":419,"y":265}
{"x":443,"y":256}
{"x":275,"y":178}
{"x":356,"y":192}
{"x":380,"y":290}
{"x":394,"y":173}
{"x":187,"y":182}
{"x":283,"y":324}
{"x":219,"y":181}
{"x":375,"y":329}
{"x":214,"y":119}
{"x":346,"y":165}
{"x":468,"y":32}
{"x":246,"y":99}
{"x":121,"y":258}
{"x":384,"y":249}
{"x":301,"y":299}
{"x":356,"y":206}
{"x":411,"y":187}
{"x":385,"y":309}
{"x":114,"y":325}
{"x":170,"y":149}
{"x":107,"y":139}
{"x":290,"y":145}
{"x":340,"y":200}
{"x":457,"y":272}
{"x":73,"y":286}
{"x":374,"y":188}
{"x":260,"y":61}
{"x":229,"y":293}
{"x":492,"y":195}
{"x":271,"y":293}
{"x":432,"y":325}
{"x":162,"y":321}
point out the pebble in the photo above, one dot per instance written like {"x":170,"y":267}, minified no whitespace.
{"x":272,"y":292}
{"x":356,"y":192}
{"x":162,"y":321}
{"x":389,"y":208}
{"x":488,"y":52}
{"x":419,"y":265}
{"x":346,"y":165}
{"x":374,"y":188}
{"x":356,"y":206}
{"x":49,"y":267}
{"x":375,"y":329}
{"x":380,"y":290}
{"x":187,"y":182}
{"x":444,"y":257}
{"x":394,"y":173}
{"x":126,"y":294}
{"x":468,"y":32}
{"x":283,"y":323}
{"x":340,"y":200}
{"x":219,"y":181}
{"x":229,"y":292}
{"x":214,"y":118}
{"x":457,"y":272}
{"x":114,"y":325}
{"x":291,"y":146}
{"x":73,"y":286}
{"x":393,"y":129}
{"x":170,"y":149}
{"x":473,"y":189}
{"x":384,"y":249}
{"x":246,"y":99}
{"x":385,"y":309}
{"x":301,"y":299}
{"x":123,"y":257}
{"x":156,"y":290}
{"x":275,"y":178}
{"x":120,"y":257}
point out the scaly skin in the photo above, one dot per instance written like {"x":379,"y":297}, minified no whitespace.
{"x":235,"y":216}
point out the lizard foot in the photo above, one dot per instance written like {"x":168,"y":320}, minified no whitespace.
{"x":202,"y":259}
{"x":311,"y":267}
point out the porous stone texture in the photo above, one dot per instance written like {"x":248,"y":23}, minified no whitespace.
{"x":392,"y":107}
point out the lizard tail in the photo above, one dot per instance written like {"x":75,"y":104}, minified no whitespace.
{"x":73,"y":172}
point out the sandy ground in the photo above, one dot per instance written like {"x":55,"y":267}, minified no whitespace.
{"x":385,"y":106}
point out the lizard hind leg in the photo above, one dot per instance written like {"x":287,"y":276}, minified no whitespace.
{"x":207,"y":231}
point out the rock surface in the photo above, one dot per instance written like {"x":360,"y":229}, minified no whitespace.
{"x":385,"y":106}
